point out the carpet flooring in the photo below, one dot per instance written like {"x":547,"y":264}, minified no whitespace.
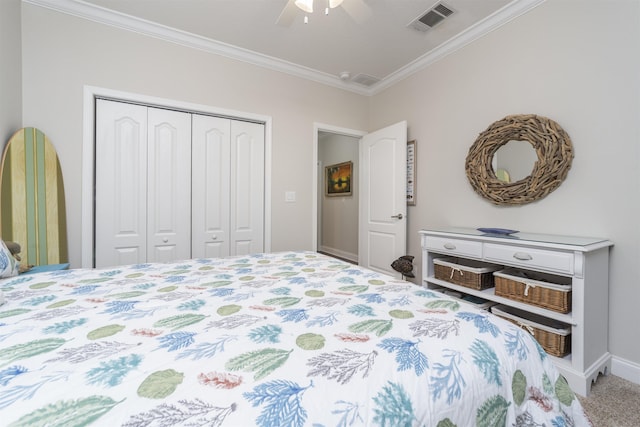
{"x":613,"y":402}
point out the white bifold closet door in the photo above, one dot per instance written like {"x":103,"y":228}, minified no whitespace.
{"x":168,"y":185}
{"x":228,"y":187}
{"x":174,"y":185}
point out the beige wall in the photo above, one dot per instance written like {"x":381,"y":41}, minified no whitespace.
{"x":577,"y":62}
{"x":11,"y":66}
{"x":61,"y":54}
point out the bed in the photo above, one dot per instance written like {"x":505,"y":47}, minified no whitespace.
{"x":282,"y":339}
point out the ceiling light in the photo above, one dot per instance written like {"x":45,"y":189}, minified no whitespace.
{"x":334,"y":3}
{"x":306,"y":5}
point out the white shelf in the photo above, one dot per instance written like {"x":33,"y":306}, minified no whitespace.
{"x":490,"y":295}
{"x":561,"y":361}
{"x":584,"y":260}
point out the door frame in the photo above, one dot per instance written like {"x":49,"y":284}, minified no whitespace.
{"x":321,"y":127}
{"x":91,"y":93}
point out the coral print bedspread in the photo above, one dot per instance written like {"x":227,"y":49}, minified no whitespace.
{"x":286,"y":339}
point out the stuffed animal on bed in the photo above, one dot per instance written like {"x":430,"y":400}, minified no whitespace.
{"x":15,"y":249}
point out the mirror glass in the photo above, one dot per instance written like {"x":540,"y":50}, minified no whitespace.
{"x":514,"y":161}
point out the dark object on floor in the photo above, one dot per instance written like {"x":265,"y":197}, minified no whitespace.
{"x":404,"y":265}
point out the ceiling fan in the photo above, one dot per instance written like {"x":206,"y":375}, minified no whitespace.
{"x":357,"y":9}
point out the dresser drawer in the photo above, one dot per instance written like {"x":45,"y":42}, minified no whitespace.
{"x":560,"y":262}
{"x":445,"y":245}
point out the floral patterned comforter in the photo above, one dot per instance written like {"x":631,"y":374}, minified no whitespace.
{"x":285,"y":339}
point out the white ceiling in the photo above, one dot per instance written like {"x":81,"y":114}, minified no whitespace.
{"x":361,"y":37}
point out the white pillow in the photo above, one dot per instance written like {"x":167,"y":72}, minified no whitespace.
{"x":8,"y":264}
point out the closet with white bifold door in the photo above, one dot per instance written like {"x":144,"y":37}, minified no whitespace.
{"x":172,"y":185}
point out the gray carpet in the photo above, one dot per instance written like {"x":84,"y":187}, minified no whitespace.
{"x":613,"y":402}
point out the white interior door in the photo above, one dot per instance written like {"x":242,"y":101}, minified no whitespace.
{"x":247,"y":188}
{"x":383,"y":205}
{"x":121,"y":184}
{"x":210,"y":186}
{"x":169,"y":185}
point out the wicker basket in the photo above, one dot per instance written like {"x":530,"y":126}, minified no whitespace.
{"x":465,"y":272}
{"x":553,"y":336}
{"x":539,"y":289}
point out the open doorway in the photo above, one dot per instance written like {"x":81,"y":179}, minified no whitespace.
{"x":338,"y":210}
{"x":336,"y":215}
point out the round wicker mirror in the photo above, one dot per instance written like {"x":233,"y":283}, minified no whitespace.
{"x":551,"y":144}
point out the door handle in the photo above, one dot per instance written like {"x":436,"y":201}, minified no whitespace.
{"x":522,"y":256}
{"x":399,"y":216}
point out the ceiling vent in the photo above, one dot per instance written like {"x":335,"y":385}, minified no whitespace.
{"x":431,"y":17}
{"x":365,"y":79}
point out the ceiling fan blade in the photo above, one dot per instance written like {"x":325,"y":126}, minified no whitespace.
{"x":288,"y":14}
{"x":357,"y":9}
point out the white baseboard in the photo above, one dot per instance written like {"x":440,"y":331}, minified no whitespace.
{"x":340,"y":254}
{"x":626,"y":369}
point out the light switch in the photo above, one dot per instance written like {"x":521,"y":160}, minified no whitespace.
{"x":289,"y":196}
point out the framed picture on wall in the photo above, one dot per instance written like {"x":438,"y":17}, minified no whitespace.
{"x":411,"y":173}
{"x":338,"y":179}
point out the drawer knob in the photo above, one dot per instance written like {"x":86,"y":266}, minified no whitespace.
{"x":522,"y":256}
{"x":449,"y":246}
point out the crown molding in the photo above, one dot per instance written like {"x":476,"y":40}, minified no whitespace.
{"x":112,"y":18}
{"x":491,"y":23}
{"x":81,"y":9}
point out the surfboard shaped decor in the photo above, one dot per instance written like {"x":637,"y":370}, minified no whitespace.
{"x":32,"y":211}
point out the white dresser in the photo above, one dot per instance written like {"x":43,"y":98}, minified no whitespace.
{"x":584,"y":260}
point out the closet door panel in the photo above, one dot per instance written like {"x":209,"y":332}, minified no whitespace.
{"x":121,"y":184}
{"x":169,"y":195}
{"x":247,"y":188}
{"x":210,"y":186}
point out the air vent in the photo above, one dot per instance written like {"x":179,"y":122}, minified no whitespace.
{"x":365,"y":79}
{"x":431,"y":17}
{"x":443,"y":10}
